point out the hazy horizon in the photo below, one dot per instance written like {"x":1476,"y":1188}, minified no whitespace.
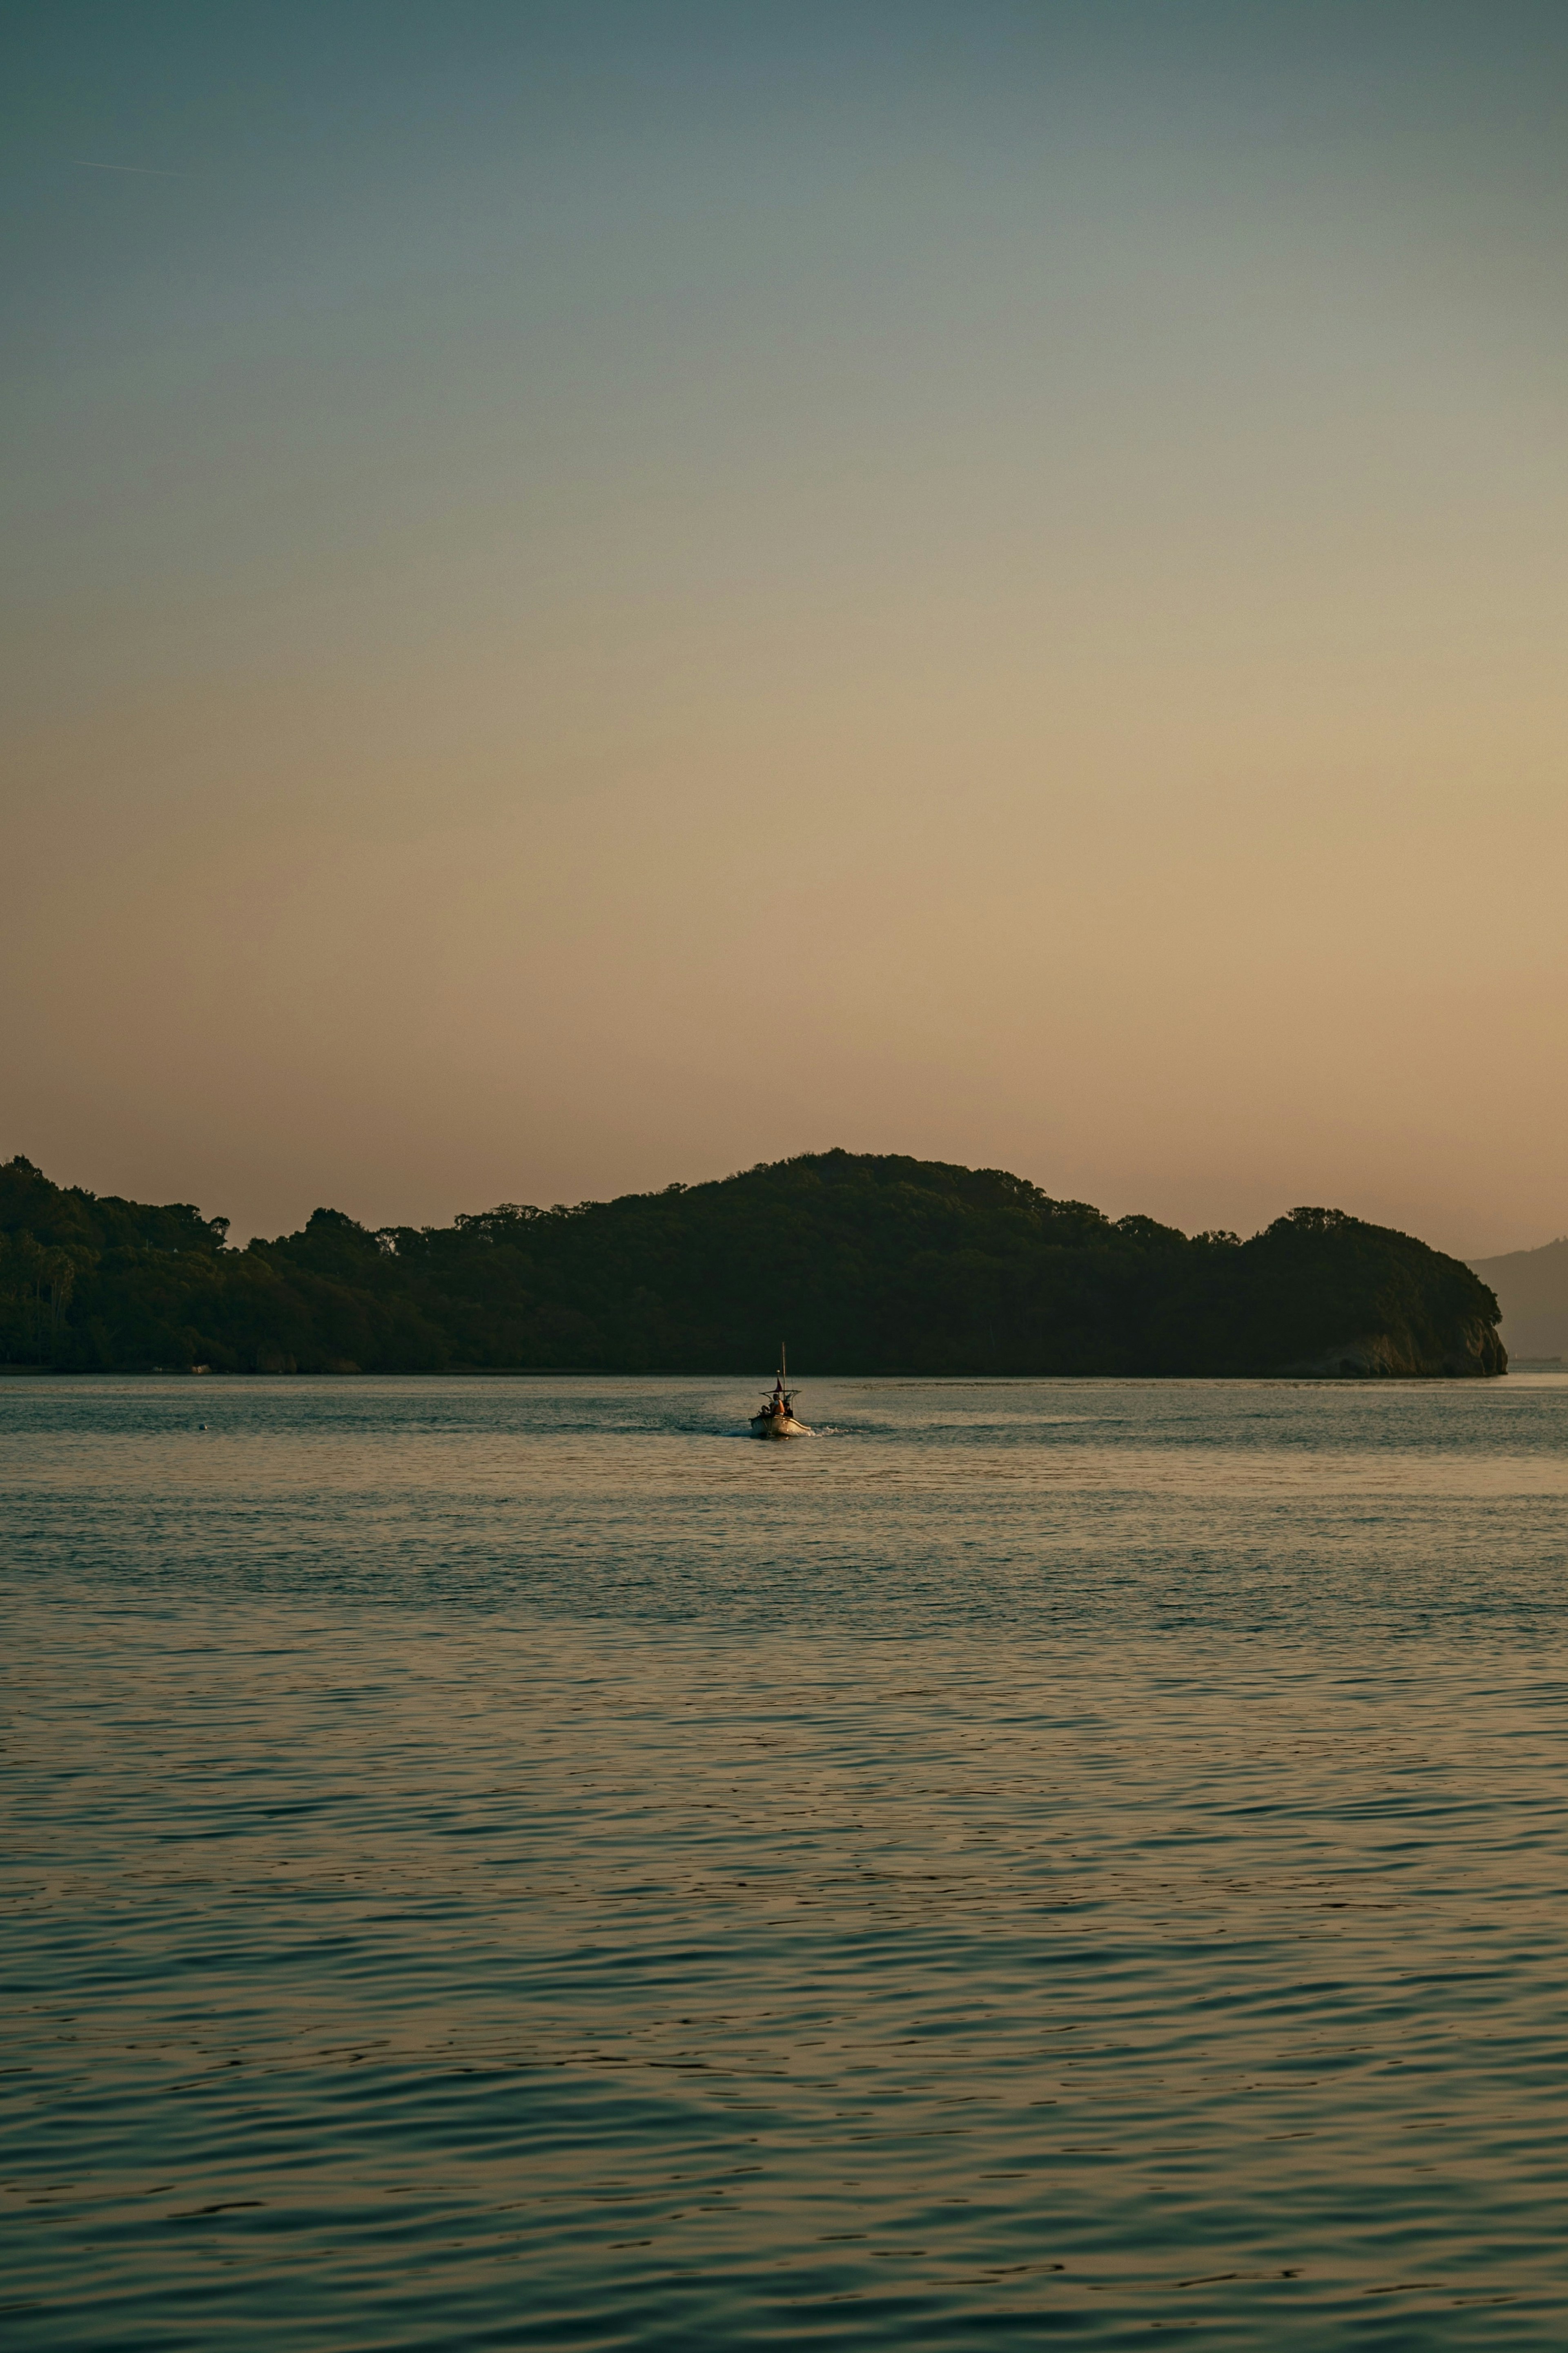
{"x":603,"y":594}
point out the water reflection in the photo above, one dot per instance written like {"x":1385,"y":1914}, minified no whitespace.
{"x":506,"y":1862}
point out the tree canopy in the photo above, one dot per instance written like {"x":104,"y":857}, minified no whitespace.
{"x":866,"y":1263}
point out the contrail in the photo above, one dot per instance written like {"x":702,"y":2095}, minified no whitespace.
{"x":142,"y":171}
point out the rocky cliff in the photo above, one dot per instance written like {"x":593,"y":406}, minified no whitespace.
{"x":1472,"y":1348}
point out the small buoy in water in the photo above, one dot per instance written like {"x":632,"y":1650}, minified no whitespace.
{"x":201,"y":1425}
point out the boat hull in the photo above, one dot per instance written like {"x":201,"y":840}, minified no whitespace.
{"x":778,"y":1425}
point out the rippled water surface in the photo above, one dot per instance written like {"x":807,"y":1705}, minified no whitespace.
{"x":515,"y":1863}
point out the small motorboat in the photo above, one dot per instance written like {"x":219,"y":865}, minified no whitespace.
{"x":777,"y":1419}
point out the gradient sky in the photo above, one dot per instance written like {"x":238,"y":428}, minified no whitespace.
{"x":598,"y":593}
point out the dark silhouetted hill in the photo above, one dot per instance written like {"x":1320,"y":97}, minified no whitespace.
{"x":864,"y":1262}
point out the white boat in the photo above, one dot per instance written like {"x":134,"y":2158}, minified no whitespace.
{"x":777,"y":1419}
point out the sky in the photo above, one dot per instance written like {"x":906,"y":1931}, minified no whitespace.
{"x":599,"y":593}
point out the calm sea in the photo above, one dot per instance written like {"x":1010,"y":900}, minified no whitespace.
{"x":514,"y":1863}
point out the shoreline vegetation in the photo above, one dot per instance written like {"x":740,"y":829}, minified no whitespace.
{"x":871,"y":1263}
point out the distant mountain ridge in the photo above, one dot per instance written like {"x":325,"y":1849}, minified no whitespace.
{"x":867,"y":1264}
{"x":1531,"y":1287}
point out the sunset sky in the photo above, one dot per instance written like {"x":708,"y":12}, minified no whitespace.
{"x":599,"y":593}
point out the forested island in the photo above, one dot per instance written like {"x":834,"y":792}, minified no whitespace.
{"x":866,"y":1263}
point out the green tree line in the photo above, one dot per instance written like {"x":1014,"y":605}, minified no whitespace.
{"x":866,"y":1263}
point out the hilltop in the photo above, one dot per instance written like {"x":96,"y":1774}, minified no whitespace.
{"x":1531,"y":1286}
{"x":866,"y":1263}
